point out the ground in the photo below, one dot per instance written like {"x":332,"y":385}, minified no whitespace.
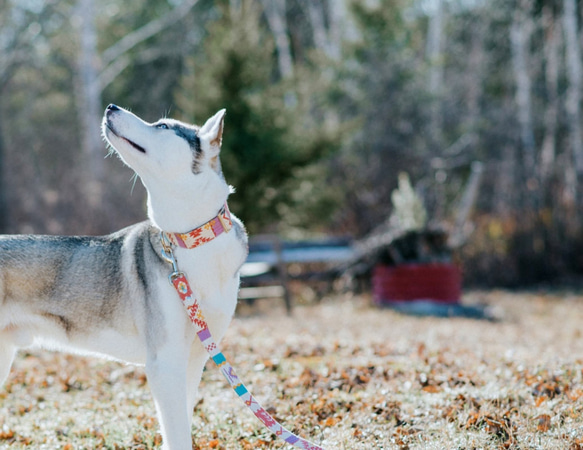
{"x":342,"y":373}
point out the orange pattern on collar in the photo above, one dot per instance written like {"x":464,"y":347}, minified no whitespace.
{"x":222,"y":223}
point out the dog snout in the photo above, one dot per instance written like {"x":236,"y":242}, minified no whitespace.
{"x":111,"y":108}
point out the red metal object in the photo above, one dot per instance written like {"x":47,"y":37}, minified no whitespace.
{"x":436,"y":282}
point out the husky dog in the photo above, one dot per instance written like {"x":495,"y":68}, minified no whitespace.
{"x":110,"y":295}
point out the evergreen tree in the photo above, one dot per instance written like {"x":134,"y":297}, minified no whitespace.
{"x":269,"y":134}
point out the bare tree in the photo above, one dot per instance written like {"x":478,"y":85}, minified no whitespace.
{"x":552,"y":41}
{"x":474,"y":76}
{"x":89,"y":103}
{"x":434,"y":57}
{"x":573,"y":97}
{"x":117,"y":58}
{"x":319,"y":32}
{"x":276,"y":18}
{"x":340,"y":27}
{"x":95,"y":72}
{"x":330,"y":25}
{"x":520,"y":35}
{"x":3,"y":199}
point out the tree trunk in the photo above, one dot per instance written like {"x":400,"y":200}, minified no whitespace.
{"x":552,"y":37}
{"x":5,"y":75}
{"x":89,"y":106}
{"x":434,"y":58}
{"x":573,"y":95}
{"x":340,"y":27}
{"x":4,"y":219}
{"x":316,"y":13}
{"x":474,"y":78}
{"x":505,"y":193}
{"x":520,"y":34}
{"x":275,"y":13}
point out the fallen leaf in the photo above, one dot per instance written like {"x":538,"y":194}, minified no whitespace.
{"x":6,"y":435}
{"x":544,"y":423}
{"x":432,"y":389}
{"x":331,"y":421}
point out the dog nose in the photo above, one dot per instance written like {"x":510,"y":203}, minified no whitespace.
{"x":112,"y":107}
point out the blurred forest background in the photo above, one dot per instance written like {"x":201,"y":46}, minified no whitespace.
{"x":327,"y":102}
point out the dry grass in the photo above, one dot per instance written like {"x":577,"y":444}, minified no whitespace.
{"x":342,"y":373}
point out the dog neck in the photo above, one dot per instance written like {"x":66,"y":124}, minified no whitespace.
{"x":179,"y":212}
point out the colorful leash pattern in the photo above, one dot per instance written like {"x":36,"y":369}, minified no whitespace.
{"x":205,"y":233}
{"x":195,"y":314}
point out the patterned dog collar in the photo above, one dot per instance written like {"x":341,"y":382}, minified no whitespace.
{"x":222,"y":223}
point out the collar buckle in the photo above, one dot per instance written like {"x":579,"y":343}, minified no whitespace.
{"x":224,"y":217}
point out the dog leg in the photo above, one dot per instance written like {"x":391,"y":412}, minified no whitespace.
{"x":196,"y":364}
{"x":166,"y":374}
{"x":7,"y":353}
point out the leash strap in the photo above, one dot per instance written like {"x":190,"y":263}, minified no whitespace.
{"x":180,"y":283}
{"x":182,"y":286}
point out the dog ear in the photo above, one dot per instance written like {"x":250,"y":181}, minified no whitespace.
{"x":212,"y":130}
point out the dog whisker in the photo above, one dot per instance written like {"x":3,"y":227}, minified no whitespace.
{"x":133,"y":180}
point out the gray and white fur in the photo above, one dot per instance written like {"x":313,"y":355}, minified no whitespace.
{"x":110,"y":295}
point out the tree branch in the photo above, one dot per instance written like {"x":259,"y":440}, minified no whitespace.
{"x":150,"y":29}
{"x":111,"y":72}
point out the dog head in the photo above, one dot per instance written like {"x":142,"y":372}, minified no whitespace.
{"x":176,"y":162}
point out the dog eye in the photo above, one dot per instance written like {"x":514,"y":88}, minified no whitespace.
{"x":162,"y":126}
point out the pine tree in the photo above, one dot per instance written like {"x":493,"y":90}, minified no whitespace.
{"x":266,"y":140}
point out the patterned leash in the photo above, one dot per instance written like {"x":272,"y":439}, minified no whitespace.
{"x":180,"y":283}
